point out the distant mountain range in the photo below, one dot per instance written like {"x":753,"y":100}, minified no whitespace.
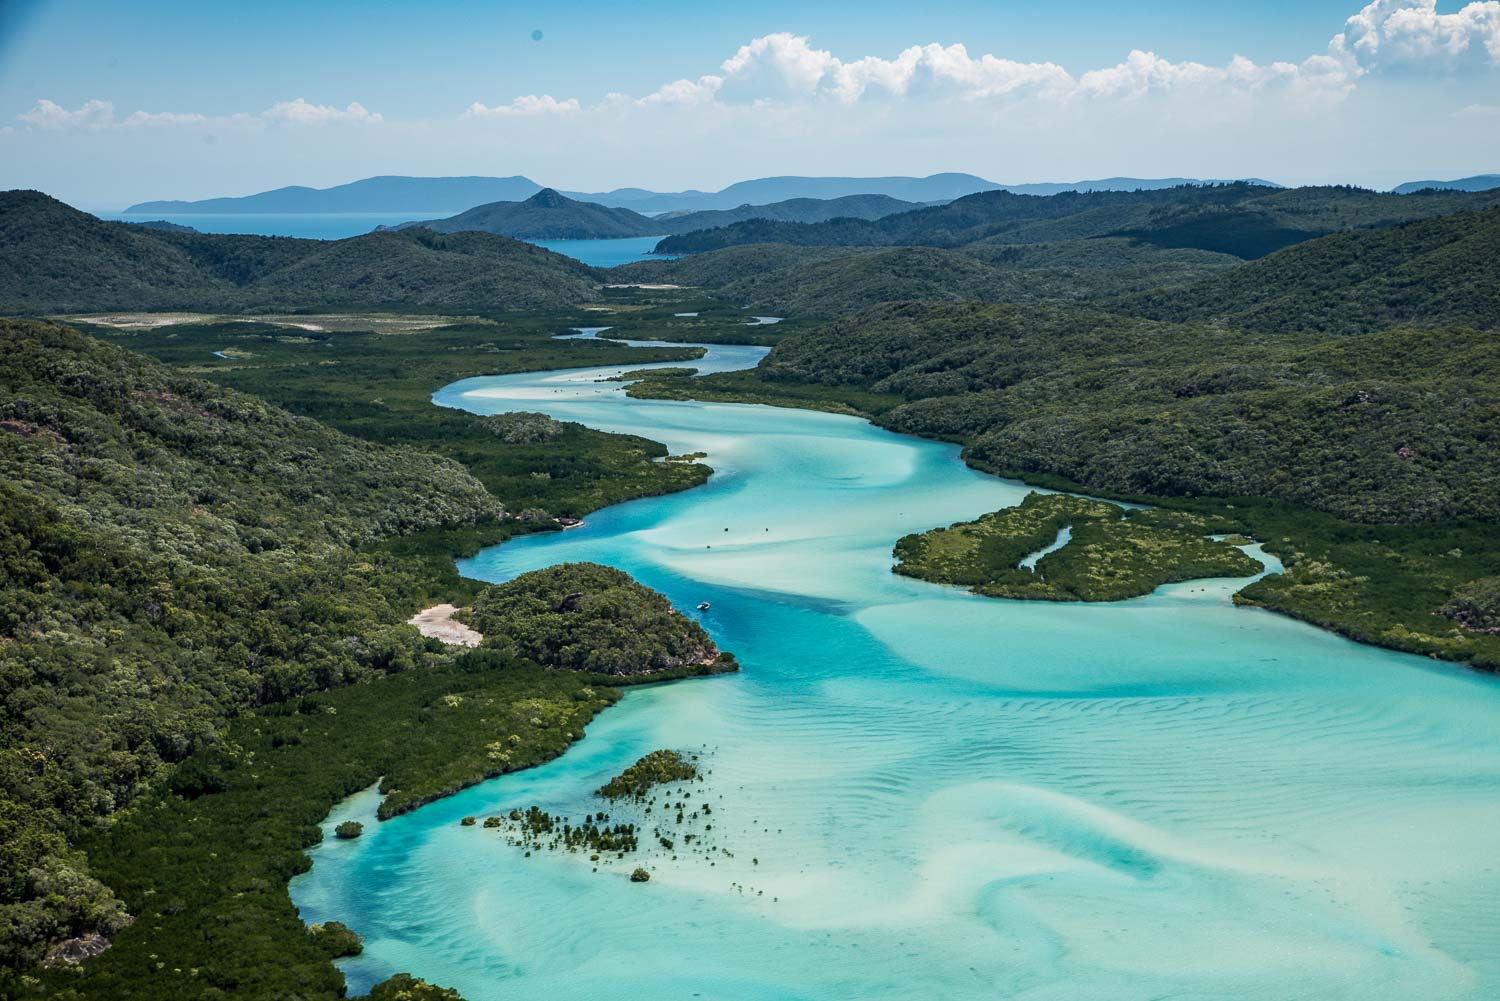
{"x":549,"y":215}
{"x":457,"y":194}
{"x":373,"y":194}
{"x":1479,"y":182}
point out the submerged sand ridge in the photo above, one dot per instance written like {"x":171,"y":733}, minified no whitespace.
{"x":943,"y":795}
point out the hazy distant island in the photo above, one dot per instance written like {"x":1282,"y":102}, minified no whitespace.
{"x":456,"y":194}
{"x":548,"y":215}
{"x":1479,"y":182}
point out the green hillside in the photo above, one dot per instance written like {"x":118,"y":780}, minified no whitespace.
{"x":55,"y":259}
{"x":1365,"y":462}
{"x":813,"y":282}
{"x":1431,"y":272}
{"x":171,"y":553}
{"x":1245,"y":220}
{"x":791,"y":210}
{"x":202,"y":638}
{"x":546,"y":215}
{"x":1379,"y":427}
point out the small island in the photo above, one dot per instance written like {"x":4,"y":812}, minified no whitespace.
{"x":588,"y":617}
{"x":1107,"y":552}
{"x":656,"y":768}
{"x":670,"y":372}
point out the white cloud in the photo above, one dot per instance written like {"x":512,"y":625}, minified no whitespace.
{"x":530,"y":104}
{"x":777,"y":66}
{"x":1478,"y":111}
{"x":146,"y":118}
{"x":101,"y":114}
{"x":49,"y":115}
{"x":784,"y":68}
{"x":300,"y":112}
{"x":678,"y":92}
{"x":1391,"y":32}
{"x":787,"y":71}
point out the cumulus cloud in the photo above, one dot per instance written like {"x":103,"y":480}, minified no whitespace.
{"x":1392,"y":32}
{"x":101,"y":114}
{"x":784,"y":68}
{"x":301,"y":112}
{"x":50,"y":115}
{"x":147,"y":118}
{"x":530,"y":104}
{"x":678,"y":92}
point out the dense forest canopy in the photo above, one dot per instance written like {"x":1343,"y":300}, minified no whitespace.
{"x":587,"y":617}
{"x":1432,"y":271}
{"x":1391,"y":426}
{"x":1389,"y":259}
{"x":1245,"y":220}
{"x":170,"y":553}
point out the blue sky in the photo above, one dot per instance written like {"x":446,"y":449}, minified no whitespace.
{"x":106,"y":103}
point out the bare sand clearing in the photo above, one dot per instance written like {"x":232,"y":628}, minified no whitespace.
{"x":380,"y":323}
{"x":141,"y":321}
{"x":438,"y":623}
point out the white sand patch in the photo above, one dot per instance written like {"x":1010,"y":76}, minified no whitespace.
{"x":139,"y":321}
{"x":438,"y":623}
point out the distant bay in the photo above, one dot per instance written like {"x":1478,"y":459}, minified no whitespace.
{"x":341,"y":225}
{"x":607,"y":253}
{"x":309,"y":225}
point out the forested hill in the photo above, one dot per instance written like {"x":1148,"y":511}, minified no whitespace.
{"x":791,"y":210}
{"x":546,"y":215}
{"x":55,"y":259}
{"x":171,"y":552}
{"x":1245,"y":220}
{"x":819,"y":282}
{"x":1435,"y":271}
{"x":1382,"y":427}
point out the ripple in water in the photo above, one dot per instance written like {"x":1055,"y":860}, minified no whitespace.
{"x":949,"y":796}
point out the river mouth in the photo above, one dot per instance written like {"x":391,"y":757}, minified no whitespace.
{"x":930,"y":794}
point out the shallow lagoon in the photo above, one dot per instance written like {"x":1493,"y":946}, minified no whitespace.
{"x":950,"y":796}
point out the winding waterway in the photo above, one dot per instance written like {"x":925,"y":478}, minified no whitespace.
{"x":933,"y":795}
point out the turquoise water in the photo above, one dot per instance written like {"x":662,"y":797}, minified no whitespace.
{"x":311,"y":225}
{"x":607,"y":253}
{"x":933,"y":795}
{"x":340,"y":225}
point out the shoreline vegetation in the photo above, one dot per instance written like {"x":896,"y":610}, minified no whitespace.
{"x":300,"y":559}
{"x":1121,"y":409}
{"x":1113,"y":553}
{"x":216,"y":526}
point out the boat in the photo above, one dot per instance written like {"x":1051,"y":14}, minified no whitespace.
{"x":702,"y":606}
